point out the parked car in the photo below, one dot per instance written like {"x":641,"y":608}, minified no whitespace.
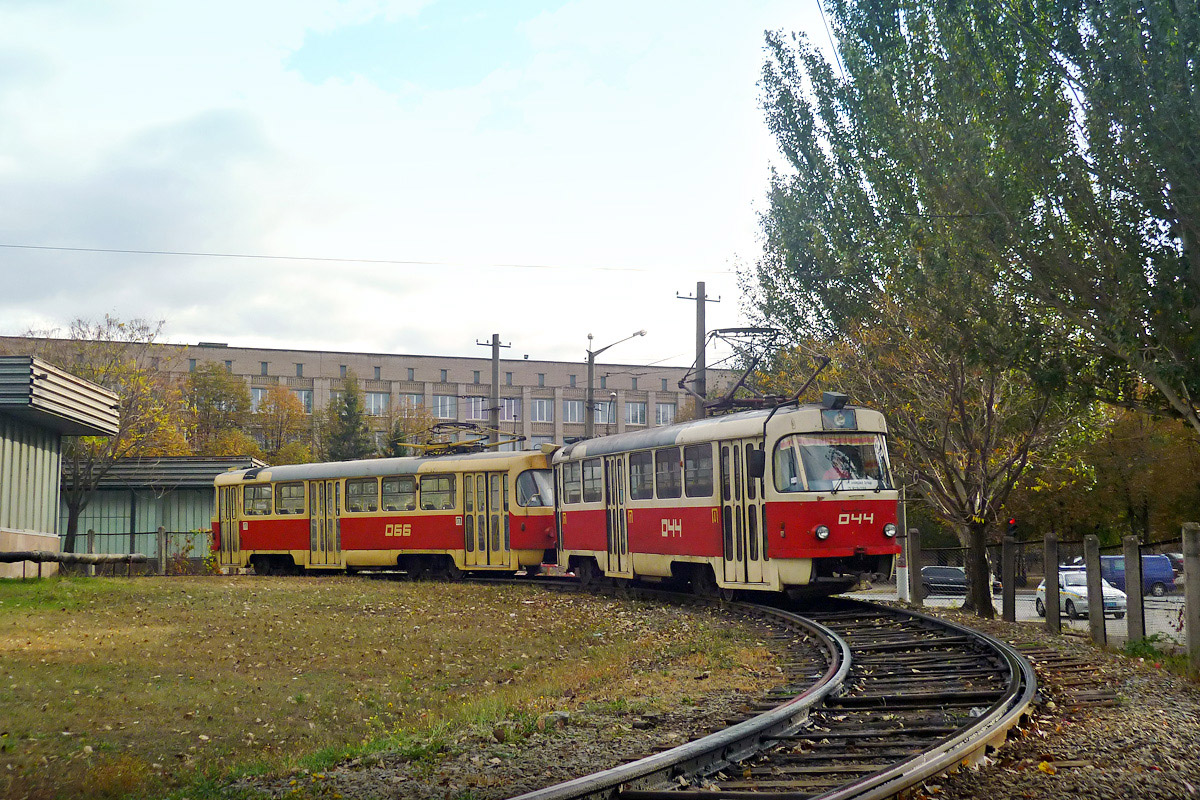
{"x":944,"y":580}
{"x":1158,"y":577}
{"x":1176,"y":560}
{"x":1073,"y":595}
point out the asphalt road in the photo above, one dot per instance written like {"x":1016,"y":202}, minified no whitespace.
{"x":1164,"y":615}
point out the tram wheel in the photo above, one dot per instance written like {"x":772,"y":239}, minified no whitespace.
{"x":704,"y":583}
{"x":587,"y":572}
{"x":449,"y":571}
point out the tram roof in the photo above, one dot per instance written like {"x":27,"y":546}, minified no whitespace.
{"x":373,"y":467}
{"x":740,"y":425}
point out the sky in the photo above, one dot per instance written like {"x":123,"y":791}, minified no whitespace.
{"x":386,"y":177}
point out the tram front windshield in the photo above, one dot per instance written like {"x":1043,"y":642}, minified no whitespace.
{"x":831,"y":462}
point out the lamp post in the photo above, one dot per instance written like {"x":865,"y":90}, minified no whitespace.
{"x":589,"y":412}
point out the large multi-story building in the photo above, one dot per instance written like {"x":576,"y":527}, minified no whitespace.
{"x":544,"y":401}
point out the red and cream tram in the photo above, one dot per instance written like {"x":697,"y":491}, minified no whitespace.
{"x":798,"y":497}
{"x":491,"y":511}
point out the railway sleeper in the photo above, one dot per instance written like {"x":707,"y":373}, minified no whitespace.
{"x":927,"y":731}
{"x":772,"y":770}
{"x":890,"y":753}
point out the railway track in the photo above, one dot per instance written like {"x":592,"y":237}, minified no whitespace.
{"x":902,"y":697}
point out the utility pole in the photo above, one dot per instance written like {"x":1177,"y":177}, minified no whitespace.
{"x":700,"y":385}
{"x":494,"y":411}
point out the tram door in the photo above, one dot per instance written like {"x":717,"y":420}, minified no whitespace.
{"x":615,"y":506}
{"x":324,"y":523}
{"x":485,"y":519}
{"x":227,"y":519}
{"x":741,"y":514}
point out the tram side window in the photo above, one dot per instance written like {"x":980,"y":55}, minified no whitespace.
{"x":362,"y":494}
{"x":667,"y":472}
{"x":437,"y":492}
{"x":698,"y":470}
{"x":535,"y":487}
{"x":572,"y":488}
{"x":593,"y":480}
{"x":289,"y":498}
{"x":399,"y":494}
{"x":257,"y":500}
{"x":641,"y":476}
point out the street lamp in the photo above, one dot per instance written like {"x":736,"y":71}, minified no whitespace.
{"x":589,"y":413}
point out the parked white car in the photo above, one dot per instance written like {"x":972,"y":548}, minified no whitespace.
{"x":1073,"y":596}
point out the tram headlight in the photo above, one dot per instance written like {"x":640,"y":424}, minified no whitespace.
{"x":889,"y":531}
{"x":822,"y":532}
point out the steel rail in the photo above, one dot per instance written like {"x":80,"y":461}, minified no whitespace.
{"x":967,"y":747}
{"x":725,"y":747}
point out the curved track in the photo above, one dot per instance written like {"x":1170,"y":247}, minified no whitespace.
{"x":903,"y":697}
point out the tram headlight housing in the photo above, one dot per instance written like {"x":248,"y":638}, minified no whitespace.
{"x":889,"y":531}
{"x":822,"y":532}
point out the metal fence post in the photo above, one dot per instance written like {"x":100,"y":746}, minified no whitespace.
{"x":1008,"y":579}
{"x":916,"y":591}
{"x":1191,"y":573}
{"x":1091,"y":561}
{"x":162,"y":550}
{"x":1053,"y":610}
{"x":91,"y":545}
{"x":1134,"y":599}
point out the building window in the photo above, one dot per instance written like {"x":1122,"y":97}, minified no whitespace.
{"x":541,"y":379}
{"x":572,"y":411}
{"x":192,"y":366}
{"x":412,"y":400}
{"x":604,"y":412}
{"x":378,"y":403}
{"x":262,"y":368}
{"x":305,"y":397}
{"x":635,"y":413}
{"x":377,"y":373}
{"x":635,"y":384}
{"x":510,"y":409}
{"x":664,"y":384}
{"x":445,"y":406}
{"x":445,"y":375}
{"x":229,"y":366}
{"x":342,"y":369}
{"x":476,"y":408}
{"x":257,"y":395}
{"x":508,"y":379}
{"x":664,"y":413}
{"x":299,"y":370}
{"x":603,"y":381}
{"x":571,"y":379}
{"x":475,"y":376}
{"x":542,"y":411}
{"x":412,"y":374}
{"x":537,"y":441}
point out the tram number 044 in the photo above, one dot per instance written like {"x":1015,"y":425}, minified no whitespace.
{"x":672,"y":527}
{"x":398,"y":530}
{"x":861,"y":519}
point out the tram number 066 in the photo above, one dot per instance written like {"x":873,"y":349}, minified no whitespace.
{"x":861,"y":519}
{"x":398,"y":530}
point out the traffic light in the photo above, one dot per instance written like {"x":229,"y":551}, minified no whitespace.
{"x":1012,"y":527}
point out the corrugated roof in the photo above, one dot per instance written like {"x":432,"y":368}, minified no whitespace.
{"x":37,"y":391}
{"x":171,"y":472}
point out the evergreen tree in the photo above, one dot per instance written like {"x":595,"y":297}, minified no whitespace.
{"x":347,"y":435}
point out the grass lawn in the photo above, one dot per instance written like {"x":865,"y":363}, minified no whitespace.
{"x":152,"y":687}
